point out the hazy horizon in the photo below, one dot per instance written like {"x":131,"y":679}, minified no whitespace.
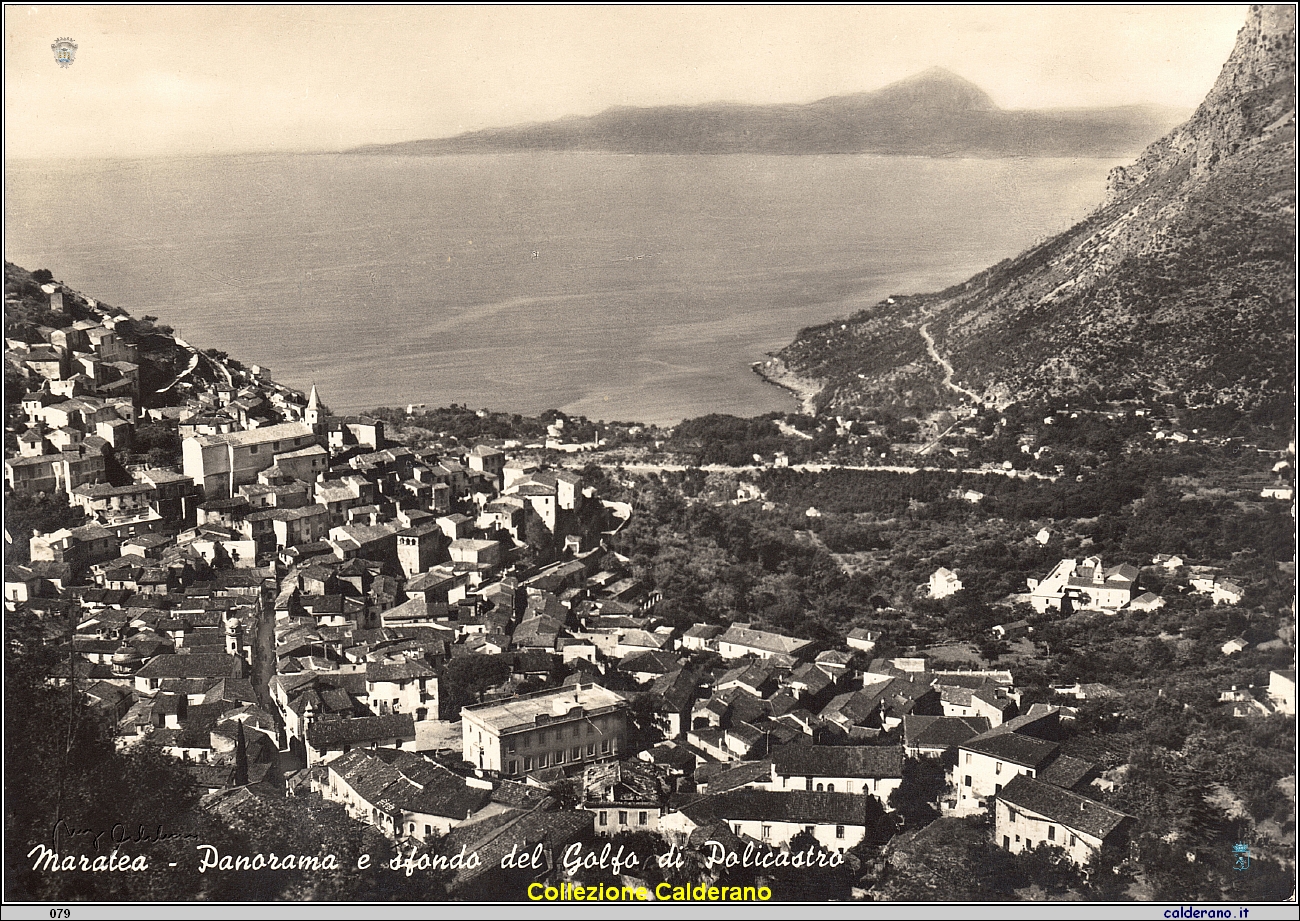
{"x":169,"y":81}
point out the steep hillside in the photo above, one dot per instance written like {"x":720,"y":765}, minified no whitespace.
{"x":934,"y":113}
{"x":1181,"y":283}
{"x":159,"y":355}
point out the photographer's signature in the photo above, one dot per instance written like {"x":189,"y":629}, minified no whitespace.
{"x":116,"y":836}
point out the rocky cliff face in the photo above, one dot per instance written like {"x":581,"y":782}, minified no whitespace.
{"x":1181,"y":283}
{"x":1254,"y":88}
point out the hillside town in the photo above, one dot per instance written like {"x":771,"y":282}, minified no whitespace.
{"x":445,"y":641}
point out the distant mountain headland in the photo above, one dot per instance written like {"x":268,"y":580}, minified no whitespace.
{"x":1182,"y":284}
{"x":934,"y":113}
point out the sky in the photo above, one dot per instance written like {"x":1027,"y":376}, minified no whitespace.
{"x":182,"y":81}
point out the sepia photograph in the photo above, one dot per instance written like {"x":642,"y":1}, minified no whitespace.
{"x":575,"y":455}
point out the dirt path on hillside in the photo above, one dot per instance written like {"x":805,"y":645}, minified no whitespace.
{"x":947,"y":368}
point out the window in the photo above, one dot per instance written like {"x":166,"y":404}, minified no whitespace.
{"x":622,"y":817}
{"x":604,"y":818}
{"x":428,"y":830}
{"x":252,"y":449}
{"x":997,"y":788}
{"x":966,"y":782}
{"x":1012,"y":815}
{"x":511,"y":769}
{"x":558,"y":758}
{"x":839,"y":831}
{"x":830,"y":788}
{"x":1006,"y":843}
{"x":819,"y":788}
{"x":528,"y":741}
{"x":643,"y":818}
{"x":604,"y":746}
{"x":737,"y":828}
{"x":510,"y":746}
{"x":997,"y":768}
{"x":1017,"y":839}
{"x":412,"y":828}
{"x":767,"y":832}
{"x":968,"y":757}
{"x":1073,"y":840}
{"x":591,"y":749}
{"x":528,"y":763}
{"x":1051,"y":833}
{"x":576,"y":753}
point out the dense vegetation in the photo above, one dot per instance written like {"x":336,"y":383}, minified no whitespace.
{"x":68,"y":787}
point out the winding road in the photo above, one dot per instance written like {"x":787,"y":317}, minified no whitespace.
{"x":947,"y":368}
{"x":812,"y":468}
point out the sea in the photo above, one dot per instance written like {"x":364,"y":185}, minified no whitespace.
{"x":633,"y":288}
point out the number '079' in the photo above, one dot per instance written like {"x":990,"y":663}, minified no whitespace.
{"x":60,"y":912}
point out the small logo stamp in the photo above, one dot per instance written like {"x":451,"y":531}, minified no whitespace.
{"x":65,"y":51}
{"x":1243,"y":856}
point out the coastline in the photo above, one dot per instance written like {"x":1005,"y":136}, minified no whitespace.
{"x":774,"y":372}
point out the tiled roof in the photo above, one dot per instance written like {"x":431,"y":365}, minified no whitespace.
{"x":743,"y":635}
{"x":797,"y":807}
{"x":839,"y":761}
{"x":703,"y":631}
{"x":1069,"y":809}
{"x":1066,"y":771}
{"x":396,"y":671}
{"x":192,"y":666}
{"x":517,"y":831}
{"x":330,"y":733}
{"x":1014,"y":747}
{"x":941,"y":731}
{"x":736,"y":775}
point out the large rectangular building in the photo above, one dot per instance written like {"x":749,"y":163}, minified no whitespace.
{"x":569,"y":727}
{"x":222,"y":463}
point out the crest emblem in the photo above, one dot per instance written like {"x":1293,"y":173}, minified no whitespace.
{"x":65,"y":51}
{"x":1243,"y":856}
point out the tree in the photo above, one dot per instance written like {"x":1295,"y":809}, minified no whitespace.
{"x":68,"y":787}
{"x":44,"y":512}
{"x":916,"y":799}
{"x":813,"y":883}
{"x":465,"y":679}
{"x":1049,"y":868}
{"x":567,"y":793}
